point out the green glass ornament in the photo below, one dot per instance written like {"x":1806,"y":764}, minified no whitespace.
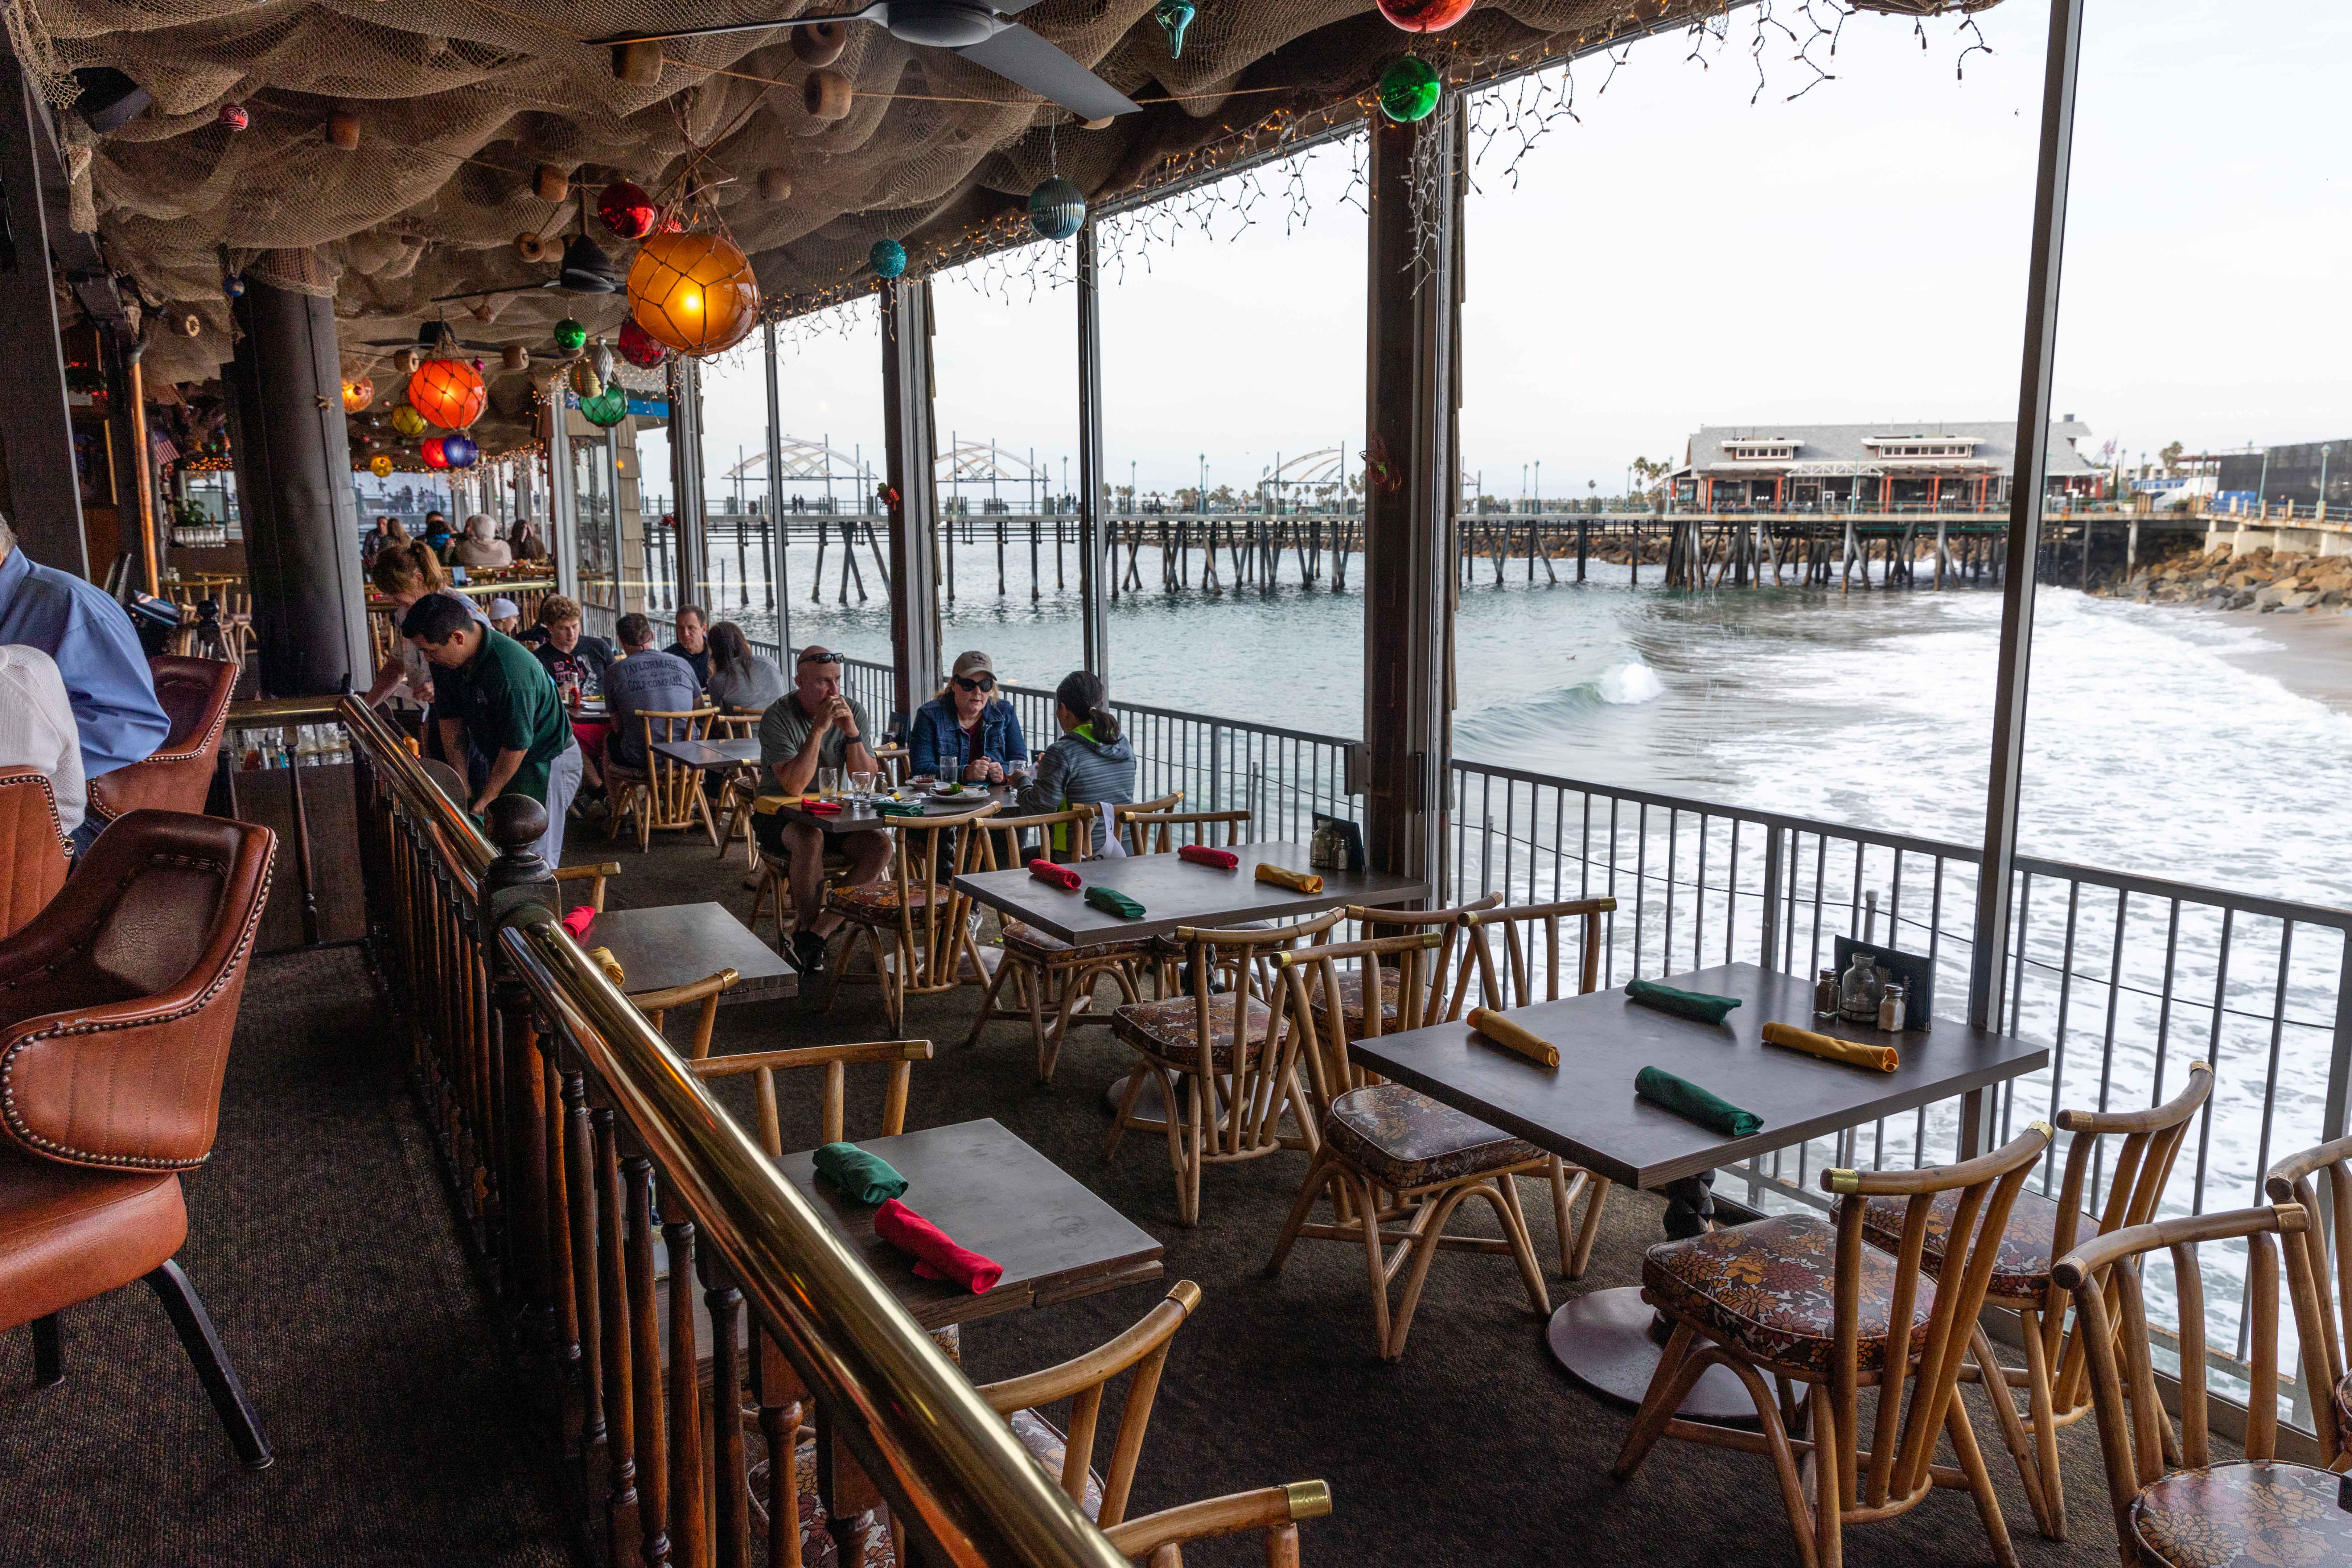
{"x":1057,"y":209}
{"x":569,"y":335}
{"x":607,"y":408}
{"x":1409,"y":90}
{"x":1175,"y":17}
{"x":889,"y":259}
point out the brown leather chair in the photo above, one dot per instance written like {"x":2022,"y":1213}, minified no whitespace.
{"x":117,"y":1003}
{"x":32,"y":845}
{"x":178,"y":776}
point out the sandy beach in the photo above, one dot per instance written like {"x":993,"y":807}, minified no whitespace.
{"x":2310,"y":655}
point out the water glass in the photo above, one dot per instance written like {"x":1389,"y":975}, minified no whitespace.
{"x":861,"y":784}
{"x":828,"y":783}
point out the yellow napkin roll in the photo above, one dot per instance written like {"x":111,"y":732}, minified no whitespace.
{"x":1829,"y":1047}
{"x":1501,"y":1031}
{"x":768,"y":805}
{"x":1284,"y":877}
{"x":604,"y":959}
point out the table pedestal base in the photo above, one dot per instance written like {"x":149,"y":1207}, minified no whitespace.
{"x":1603,"y":1339}
{"x":1149,"y":1101}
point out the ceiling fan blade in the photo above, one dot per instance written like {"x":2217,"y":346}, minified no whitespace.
{"x":1026,"y":59}
{"x":866,"y":15}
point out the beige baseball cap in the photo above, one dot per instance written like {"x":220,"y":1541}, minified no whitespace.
{"x":972,"y":663}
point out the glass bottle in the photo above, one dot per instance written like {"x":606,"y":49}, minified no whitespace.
{"x":1858,"y":991}
{"x":1825,"y":996}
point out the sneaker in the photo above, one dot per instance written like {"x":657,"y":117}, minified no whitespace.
{"x":808,"y":953}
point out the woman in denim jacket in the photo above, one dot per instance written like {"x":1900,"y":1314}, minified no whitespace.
{"x":966,"y":732}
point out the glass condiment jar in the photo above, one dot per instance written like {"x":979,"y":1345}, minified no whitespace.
{"x":1825,"y":996}
{"x":1892,"y":1006}
{"x":1858,"y":991}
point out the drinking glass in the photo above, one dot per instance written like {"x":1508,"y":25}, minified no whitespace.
{"x":828,"y":783}
{"x":861,"y":784}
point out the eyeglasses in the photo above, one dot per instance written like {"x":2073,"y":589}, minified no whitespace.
{"x":977,"y":683}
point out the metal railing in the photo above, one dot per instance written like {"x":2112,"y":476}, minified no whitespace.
{"x":599,"y":1184}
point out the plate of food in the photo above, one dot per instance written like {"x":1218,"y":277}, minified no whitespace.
{"x":946,"y":788}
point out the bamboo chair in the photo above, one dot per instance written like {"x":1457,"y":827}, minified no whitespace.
{"x":1120,"y":814}
{"x":2055,"y":1375}
{"x":1385,"y":1139}
{"x":1158,"y":1540}
{"x":2251,"y":1511}
{"x":2323,"y":1299}
{"x":1043,"y":971}
{"x":667,"y":795}
{"x":1162,"y":832}
{"x":594,"y":876}
{"x":836,"y":1061}
{"x":1805,"y":1302}
{"x":1081,"y":1380}
{"x":702,"y":994}
{"x":1436,"y":1003}
{"x":741,"y":789}
{"x":1236,"y":1060}
{"x":912,"y":920}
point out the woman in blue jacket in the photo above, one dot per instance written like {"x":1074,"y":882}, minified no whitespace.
{"x":966,"y":732}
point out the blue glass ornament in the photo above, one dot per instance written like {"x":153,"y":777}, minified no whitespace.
{"x":889,"y":259}
{"x":1057,"y":209}
{"x":460,"y":450}
{"x":233,"y":286}
{"x":1175,"y":17}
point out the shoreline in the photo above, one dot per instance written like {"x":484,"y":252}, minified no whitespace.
{"x":2309,"y":655}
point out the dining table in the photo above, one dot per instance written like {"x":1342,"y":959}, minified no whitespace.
{"x":1585,"y":1112}
{"x":720,"y":754}
{"x":672,"y":944}
{"x":859,"y":816}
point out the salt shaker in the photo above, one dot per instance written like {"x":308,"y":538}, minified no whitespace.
{"x":1891,"y":1009}
{"x":1825,"y":996}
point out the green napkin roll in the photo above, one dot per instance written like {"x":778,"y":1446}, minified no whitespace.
{"x":1110,"y":900}
{"x":860,"y":1177}
{"x":1687,"y":1100}
{"x":899,"y":808}
{"x":1695,"y":1005}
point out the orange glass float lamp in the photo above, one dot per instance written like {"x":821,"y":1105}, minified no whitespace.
{"x":448,"y":391}
{"x":358,"y":392}
{"x":693,"y":293}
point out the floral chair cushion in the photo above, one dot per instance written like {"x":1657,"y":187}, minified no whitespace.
{"x":1169,"y":1030}
{"x":2243,"y":1516}
{"x":879,"y":900}
{"x":1351,"y":1002}
{"x":1768,"y":1290}
{"x":1402,"y":1139}
{"x":2020,"y":1271}
{"x":1051,"y":1450}
{"x":1036,"y":946}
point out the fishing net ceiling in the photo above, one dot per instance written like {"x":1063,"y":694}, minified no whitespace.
{"x":458,"y":103}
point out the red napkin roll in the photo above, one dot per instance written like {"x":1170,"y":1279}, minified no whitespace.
{"x":823,"y":807}
{"x":1202,"y":854}
{"x":935,"y":1257}
{"x":1061,"y":877}
{"x":578,"y":922}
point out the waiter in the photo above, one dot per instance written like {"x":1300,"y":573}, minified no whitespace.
{"x":506,"y":705}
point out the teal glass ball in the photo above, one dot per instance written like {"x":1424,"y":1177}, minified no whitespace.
{"x":1057,"y":209}
{"x":889,"y":259}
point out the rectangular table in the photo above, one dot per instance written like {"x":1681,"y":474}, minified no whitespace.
{"x":996,"y":1195}
{"x":671,"y":945}
{"x":1175,"y":892}
{"x":710,"y":754}
{"x":859,"y":818}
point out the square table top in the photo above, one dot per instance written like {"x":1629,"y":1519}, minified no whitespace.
{"x":1175,"y":892}
{"x":710,"y":754}
{"x":1585,"y":1111}
{"x":860,"y":818}
{"x":671,"y":945}
{"x":996,"y":1195}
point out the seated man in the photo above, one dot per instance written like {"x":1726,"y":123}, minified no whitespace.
{"x":116,"y":717}
{"x":810,"y":727}
{"x":506,"y":705}
{"x":643,"y":681}
{"x":574,"y":661}
{"x":36,"y":729}
{"x":693,"y":643}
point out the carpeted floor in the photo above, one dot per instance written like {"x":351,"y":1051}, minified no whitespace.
{"x":1474,"y":1449}
{"x":320,"y":1238}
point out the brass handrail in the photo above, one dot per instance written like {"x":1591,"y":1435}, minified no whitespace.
{"x":950,"y":1467}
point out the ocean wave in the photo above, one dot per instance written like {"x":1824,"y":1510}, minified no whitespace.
{"x":1624,"y":684}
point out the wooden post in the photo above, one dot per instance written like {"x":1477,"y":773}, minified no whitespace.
{"x":686,"y":479}
{"x":44,"y":491}
{"x":1414,"y":305}
{"x":911,"y":444}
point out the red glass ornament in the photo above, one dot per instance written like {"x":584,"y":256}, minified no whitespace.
{"x":1424,"y":16}
{"x":640,"y":347}
{"x":435,"y":457}
{"x":234,"y":116}
{"x":626,"y":210}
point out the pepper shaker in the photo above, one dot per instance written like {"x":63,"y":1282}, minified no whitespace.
{"x":1825,"y":996}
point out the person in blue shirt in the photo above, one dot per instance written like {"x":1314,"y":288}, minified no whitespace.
{"x":97,"y":651}
{"x":643,"y":680}
{"x":966,"y":732}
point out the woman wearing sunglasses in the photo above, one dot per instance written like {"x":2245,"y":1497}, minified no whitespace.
{"x":965,"y":733}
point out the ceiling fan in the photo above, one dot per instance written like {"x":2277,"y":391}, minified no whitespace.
{"x":977,"y":31}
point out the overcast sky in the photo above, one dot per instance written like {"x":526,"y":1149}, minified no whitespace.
{"x":1681,"y":257}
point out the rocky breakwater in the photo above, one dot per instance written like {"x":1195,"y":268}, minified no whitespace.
{"x":2259,"y":580}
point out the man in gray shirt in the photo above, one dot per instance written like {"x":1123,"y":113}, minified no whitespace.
{"x":814,"y":726}
{"x":643,"y":681}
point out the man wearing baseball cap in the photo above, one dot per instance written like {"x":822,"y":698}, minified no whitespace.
{"x":965,"y":732}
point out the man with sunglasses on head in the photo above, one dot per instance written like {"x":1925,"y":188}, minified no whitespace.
{"x":814,"y":725}
{"x":965,"y":733}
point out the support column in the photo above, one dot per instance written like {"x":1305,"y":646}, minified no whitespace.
{"x":1987,"y":967}
{"x":294,"y":483}
{"x":910,"y":438}
{"x":1413,"y":303}
{"x":685,"y":478}
{"x":44,"y":492}
{"x":778,"y":594}
{"x":563,"y":498}
{"x":1094,"y":563}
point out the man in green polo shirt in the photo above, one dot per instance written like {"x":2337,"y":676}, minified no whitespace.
{"x":504,"y":700}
